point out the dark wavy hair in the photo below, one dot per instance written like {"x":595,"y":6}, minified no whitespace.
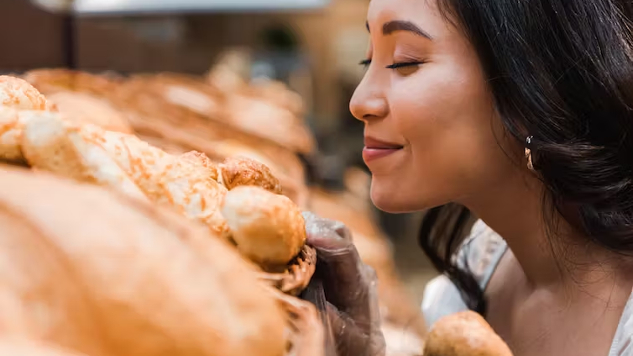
{"x":562,"y":72}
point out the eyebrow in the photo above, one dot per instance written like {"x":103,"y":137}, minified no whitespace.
{"x":398,"y":25}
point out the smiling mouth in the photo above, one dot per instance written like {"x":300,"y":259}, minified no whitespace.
{"x":372,"y":153}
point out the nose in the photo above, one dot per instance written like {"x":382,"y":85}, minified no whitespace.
{"x":368,"y":101}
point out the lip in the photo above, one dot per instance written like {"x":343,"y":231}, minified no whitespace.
{"x":375,"y":143}
{"x":375,"y":149}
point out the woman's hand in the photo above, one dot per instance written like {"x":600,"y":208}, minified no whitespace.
{"x":350,"y":289}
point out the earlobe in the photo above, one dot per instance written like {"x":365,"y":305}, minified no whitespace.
{"x":528,"y":152}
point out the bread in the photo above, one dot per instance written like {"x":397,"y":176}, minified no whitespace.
{"x":265,"y":119}
{"x":237,"y":171}
{"x":15,"y":95}
{"x":465,"y":333}
{"x":125,"y":163}
{"x":10,"y":134}
{"x":19,"y":94}
{"x":85,"y":108}
{"x":183,"y":182}
{"x":199,"y":158}
{"x":51,"y":144}
{"x":49,"y":81}
{"x":267,"y":227}
{"x":117,"y":276}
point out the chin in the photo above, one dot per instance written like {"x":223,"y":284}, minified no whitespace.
{"x":390,"y":199}
{"x":395,"y":198}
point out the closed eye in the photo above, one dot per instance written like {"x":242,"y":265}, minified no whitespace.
{"x":405,"y":68}
{"x":365,"y":62}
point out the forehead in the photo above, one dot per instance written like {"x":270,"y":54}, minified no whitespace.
{"x":423,"y":13}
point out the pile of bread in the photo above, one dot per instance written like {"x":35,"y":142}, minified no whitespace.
{"x":179,"y":113}
{"x":168,"y":258}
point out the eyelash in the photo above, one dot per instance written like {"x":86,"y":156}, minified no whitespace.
{"x":367,"y":62}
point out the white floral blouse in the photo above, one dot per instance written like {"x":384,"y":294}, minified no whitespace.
{"x":481,"y":253}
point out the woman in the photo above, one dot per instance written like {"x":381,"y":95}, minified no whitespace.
{"x":522,"y":112}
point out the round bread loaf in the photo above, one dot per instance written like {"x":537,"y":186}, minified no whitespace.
{"x":464,"y":334}
{"x":19,"y":94}
{"x":267,"y":227}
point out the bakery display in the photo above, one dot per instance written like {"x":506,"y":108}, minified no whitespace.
{"x":125,"y":277}
{"x":176,"y":113}
{"x":161,"y":228}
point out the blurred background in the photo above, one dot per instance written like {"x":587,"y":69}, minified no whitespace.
{"x":309,"y":48}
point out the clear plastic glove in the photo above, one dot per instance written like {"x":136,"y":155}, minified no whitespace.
{"x":349,"y":286}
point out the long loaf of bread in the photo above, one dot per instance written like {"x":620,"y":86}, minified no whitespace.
{"x":118,"y":276}
{"x":125,"y":163}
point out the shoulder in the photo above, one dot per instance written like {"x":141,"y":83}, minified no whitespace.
{"x":480,"y":253}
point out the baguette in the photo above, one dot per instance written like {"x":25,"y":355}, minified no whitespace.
{"x":125,"y":163}
{"x":51,"y":144}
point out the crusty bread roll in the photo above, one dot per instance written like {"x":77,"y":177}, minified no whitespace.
{"x":51,"y":144}
{"x":19,"y":94}
{"x":237,"y":171}
{"x":465,"y":333}
{"x":103,"y":274}
{"x":267,"y":227}
{"x":26,"y":347}
{"x":15,"y":95}
{"x":184,"y":182}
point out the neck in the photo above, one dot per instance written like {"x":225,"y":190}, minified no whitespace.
{"x":548,"y":254}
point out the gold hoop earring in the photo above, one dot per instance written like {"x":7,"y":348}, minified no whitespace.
{"x":528,"y":153}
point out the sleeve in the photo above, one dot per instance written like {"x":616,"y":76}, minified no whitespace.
{"x":480,"y":253}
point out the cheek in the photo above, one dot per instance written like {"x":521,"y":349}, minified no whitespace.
{"x":447,"y":122}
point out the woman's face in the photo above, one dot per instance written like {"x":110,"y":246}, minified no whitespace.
{"x":432,"y":135}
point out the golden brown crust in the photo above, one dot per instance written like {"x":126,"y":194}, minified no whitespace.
{"x":202,"y":160}
{"x":146,"y":281}
{"x":237,"y":171}
{"x":16,"y":95}
{"x":19,"y":94}
{"x":49,"y":143}
{"x":267,"y":227}
{"x":181,"y":182}
{"x":465,"y":333}
{"x":125,"y":163}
